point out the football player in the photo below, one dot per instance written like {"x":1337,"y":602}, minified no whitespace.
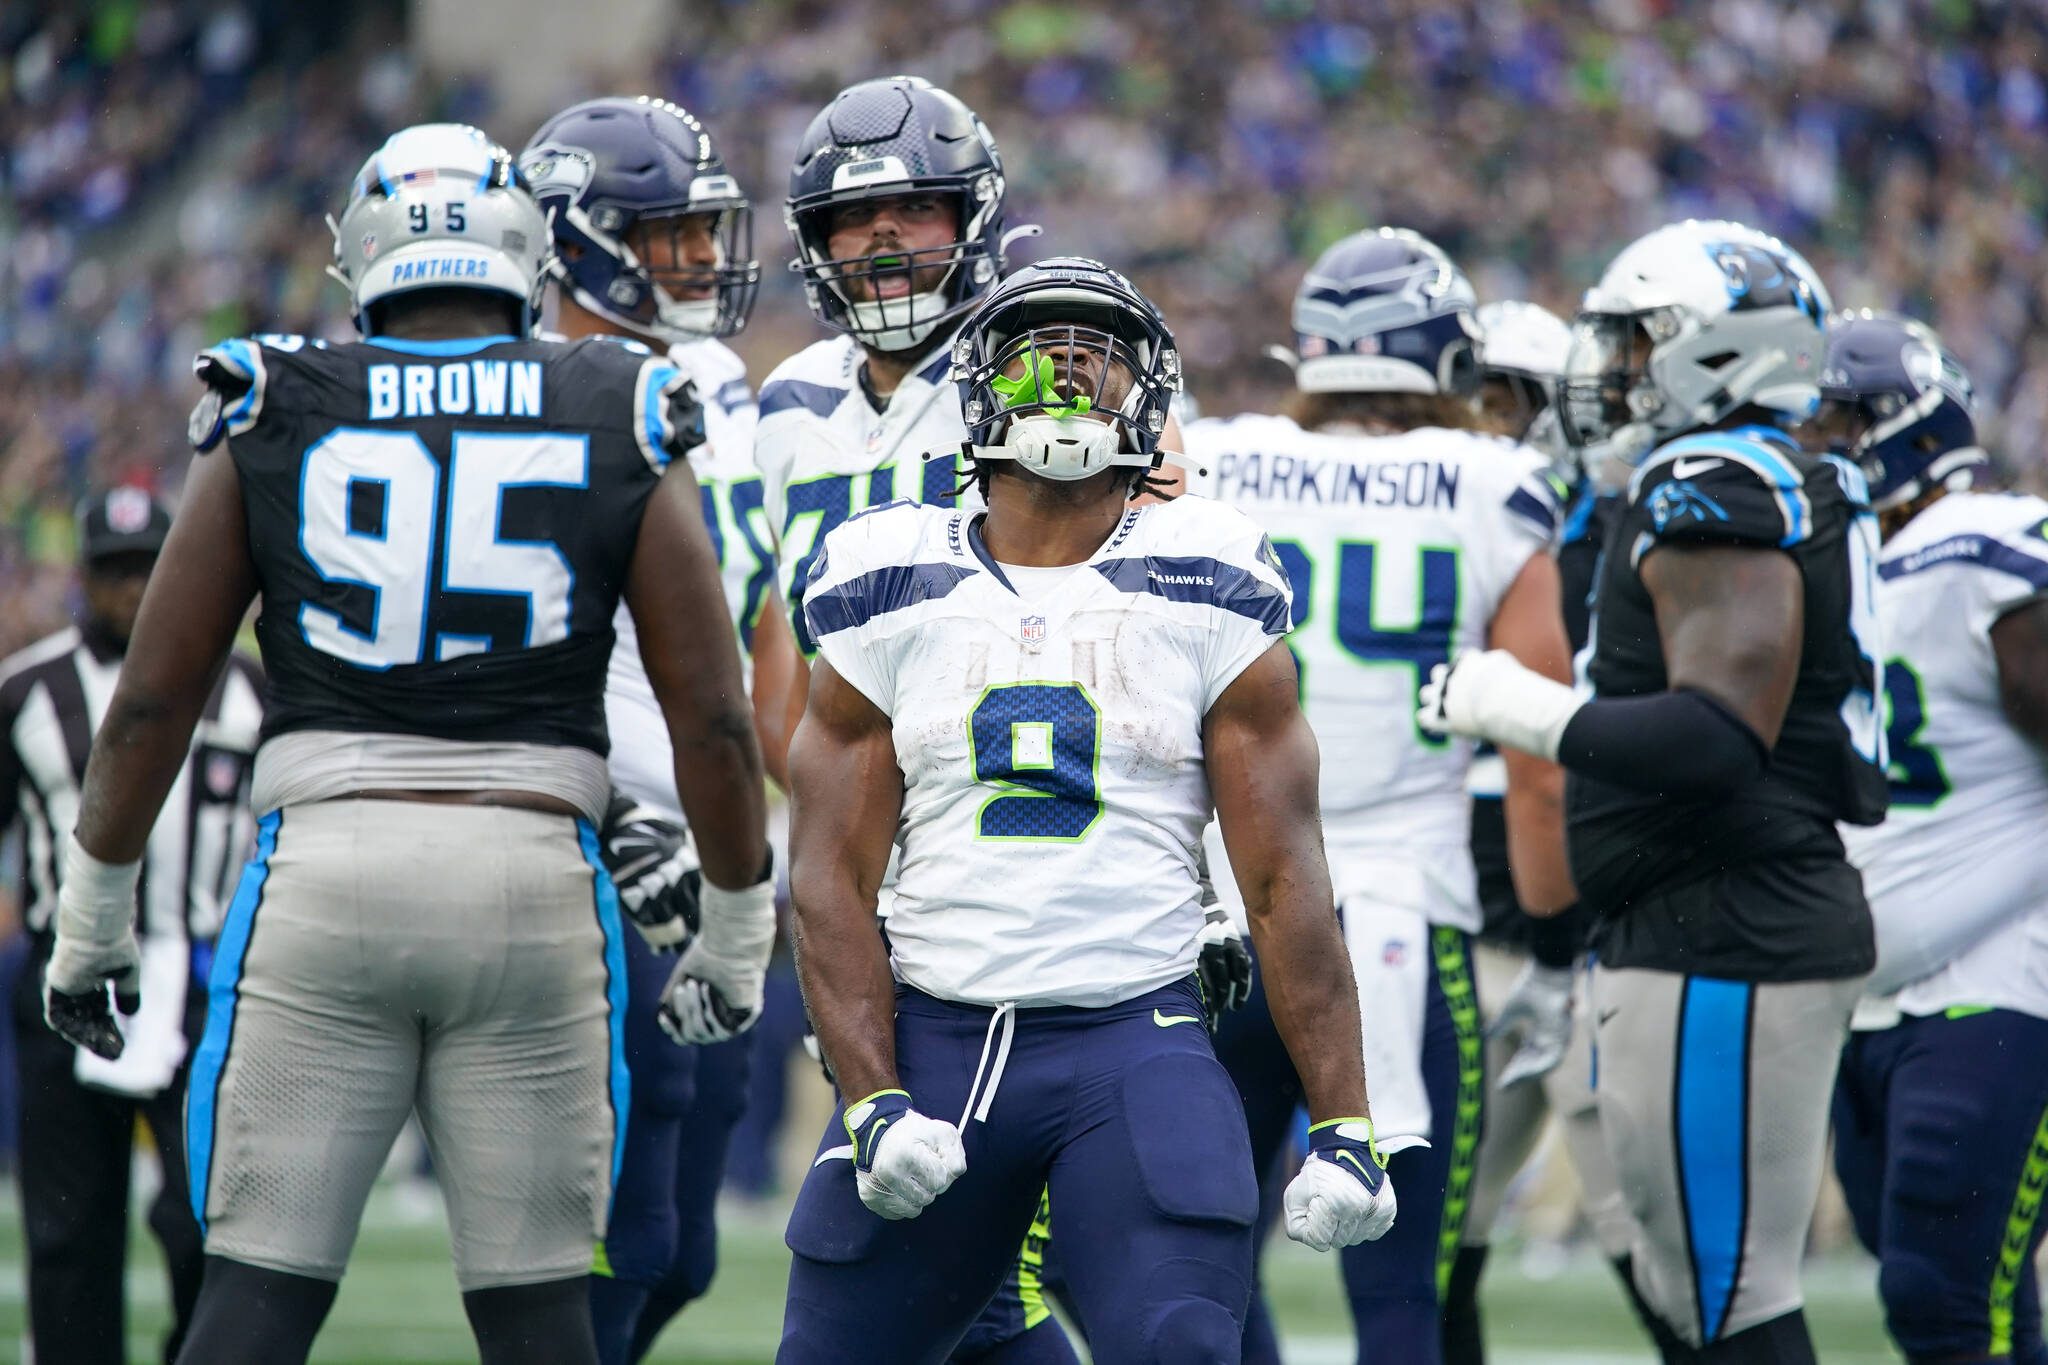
{"x":1733,"y":721}
{"x":896,"y":206}
{"x":1039,"y":703}
{"x":653,"y":245}
{"x":1406,"y":535}
{"x":440,"y":520}
{"x":1539,"y":1031}
{"x":1941,"y":1113}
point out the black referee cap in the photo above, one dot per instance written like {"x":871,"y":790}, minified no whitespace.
{"x":119,"y":521}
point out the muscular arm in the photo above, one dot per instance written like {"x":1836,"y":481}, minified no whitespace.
{"x":1732,"y":619}
{"x":1530,"y":625}
{"x":687,"y":645}
{"x":846,"y":795}
{"x":202,"y":584}
{"x":778,"y":689}
{"x":2019,"y":641}
{"x":1263,"y":771}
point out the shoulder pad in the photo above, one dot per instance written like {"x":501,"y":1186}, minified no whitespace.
{"x":1724,"y":487}
{"x":233,"y":373}
{"x":668,"y":419}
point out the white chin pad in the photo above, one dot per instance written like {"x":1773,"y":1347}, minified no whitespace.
{"x":1062,"y":447}
{"x":900,"y":323}
{"x":685,"y":319}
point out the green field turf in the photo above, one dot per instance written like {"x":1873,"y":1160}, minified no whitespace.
{"x":399,"y":1303}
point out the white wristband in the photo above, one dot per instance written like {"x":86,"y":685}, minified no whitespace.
{"x":721,"y":911}
{"x":97,"y":901}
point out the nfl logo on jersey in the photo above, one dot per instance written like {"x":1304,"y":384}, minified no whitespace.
{"x":1032,"y":630}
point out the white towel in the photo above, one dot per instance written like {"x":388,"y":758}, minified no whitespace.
{"x":1390,"y":956}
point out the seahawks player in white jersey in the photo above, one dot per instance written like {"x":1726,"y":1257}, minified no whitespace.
{"x":1038,"y":704}
{"x":1407,"y":535}
{"x":1941,"y":1112}
{"x":895,"y":206}
{"x":653,"y":243}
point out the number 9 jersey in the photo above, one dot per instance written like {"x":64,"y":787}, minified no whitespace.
{"x":1054,"y":788}
{"x":441,"y":529}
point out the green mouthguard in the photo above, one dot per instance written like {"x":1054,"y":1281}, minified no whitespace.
{"x":1036,"y":386}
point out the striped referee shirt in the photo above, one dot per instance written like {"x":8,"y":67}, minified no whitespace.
{"x":53,"y":696}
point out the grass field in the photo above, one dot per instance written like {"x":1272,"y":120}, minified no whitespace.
{"x":399,"y":1303}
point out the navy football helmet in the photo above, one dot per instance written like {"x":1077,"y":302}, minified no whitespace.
{"x":606,"y":166}
{"x":1067,"y":369}
{"x":879,"y":139}
{"x":1893,"y":400}
{"x":1385,"y":311}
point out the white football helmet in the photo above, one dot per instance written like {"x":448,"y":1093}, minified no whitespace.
{"x":1689,"y":324}
{"x":1522,"y":346}
{"x":440,"y":206}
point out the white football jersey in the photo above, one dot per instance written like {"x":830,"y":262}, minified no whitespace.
{"x":824,"y":452}
{"x":1399,"y":550}
{"x":641,"y":761}
{"x":1051,"y":745}
{"x":1957,"y":874}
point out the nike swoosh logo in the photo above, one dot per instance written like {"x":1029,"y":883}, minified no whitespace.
{"x":1685,"y":469}
{"x":1607,"y":1014}
{"x":1165,"y":1020}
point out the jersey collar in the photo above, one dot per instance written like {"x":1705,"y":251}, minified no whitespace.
{"x":452,"y":346}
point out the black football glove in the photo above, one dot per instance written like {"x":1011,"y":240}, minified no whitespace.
{"x":1225,"y":966}
{"x":653,"y":867}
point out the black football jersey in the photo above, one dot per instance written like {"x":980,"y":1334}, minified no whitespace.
{"x":1630,"y":849}
{"x":1578,"y":552}
{"x":441,"y":529}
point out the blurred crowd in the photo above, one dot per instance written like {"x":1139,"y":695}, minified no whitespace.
{"x":1207,"y":147}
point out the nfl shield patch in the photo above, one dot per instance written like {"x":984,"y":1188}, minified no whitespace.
{"x":1032,"y":630}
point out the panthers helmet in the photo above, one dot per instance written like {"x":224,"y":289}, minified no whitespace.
{"x":601,"y":167}
{"x":1894,"y":401}
{"x":1385,"y":311}
{"x":440,"y":206}
{"x":1068,"y":370}
{"x":878,"y":139}
{"x":1522,"y":347}
{"x":1688,"y":324}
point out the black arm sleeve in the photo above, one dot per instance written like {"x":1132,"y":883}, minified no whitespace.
{"x":1683,"y":744}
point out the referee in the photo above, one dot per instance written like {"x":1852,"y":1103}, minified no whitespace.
{"x":78,"y":1111}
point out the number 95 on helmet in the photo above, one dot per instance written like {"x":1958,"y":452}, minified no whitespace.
{"x":440,"y":206}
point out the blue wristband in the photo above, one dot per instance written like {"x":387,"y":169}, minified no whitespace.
{"x":866,"y":1120}
{"x":1348,"y":1143}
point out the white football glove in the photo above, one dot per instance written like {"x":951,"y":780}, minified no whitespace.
{"x":1488,"y":694}
{"x":1342,"y":1195}
{"x":714,"y":993}
{"x":95,"y":948}
{"x":902,"y":1160}
{"x":1538,"y":1012}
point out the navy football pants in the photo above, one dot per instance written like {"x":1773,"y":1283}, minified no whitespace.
{"x":1122,"y":1113}
{"x":1941,"y":1143}
{"x":661,"y":1248}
